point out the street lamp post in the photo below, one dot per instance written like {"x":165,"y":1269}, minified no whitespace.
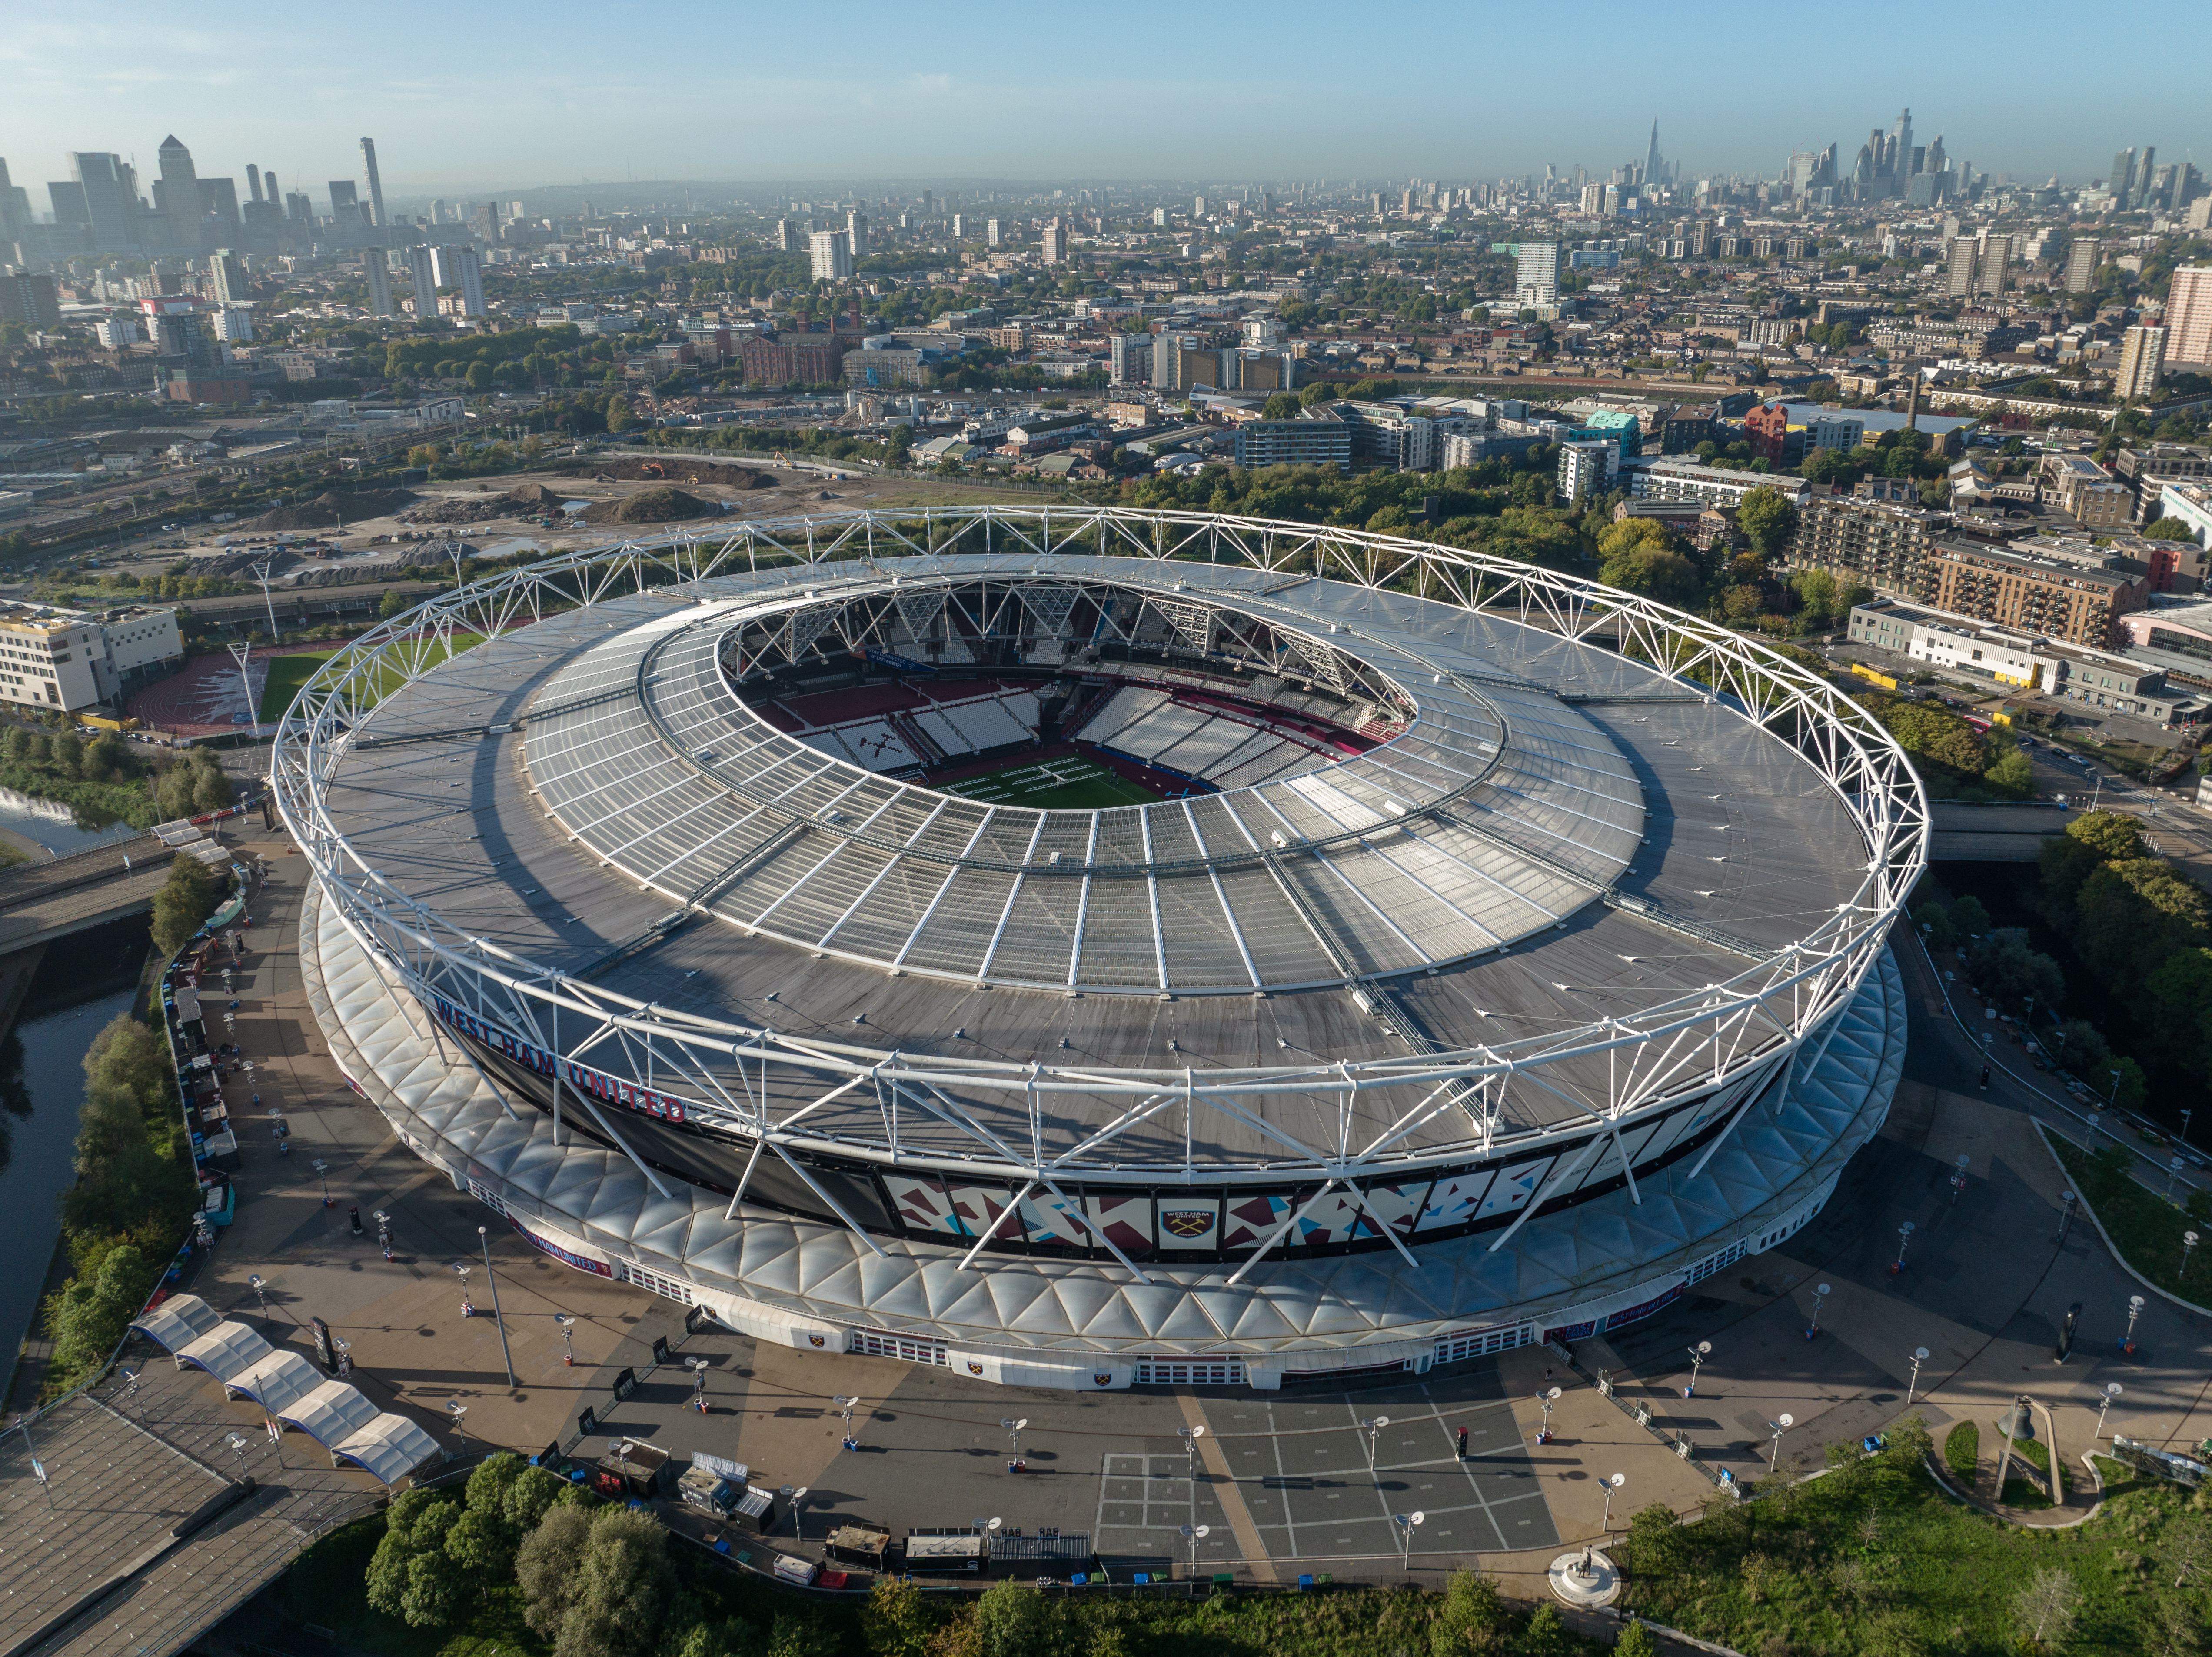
{"x":237,"y":1446}
{"x":483,"y":1236}
{"x":1699,"y":1354}
{"x":1374,"y":1430}
{"x":2113,"y":1391}
{"x":1959,"y":1178}
{"x":1919,"y":1357}
{"x":1903,"y":1241}
{"x":1190,"y":1436}
{"x":845,"y":1406}
{"x":2188,"y":1243}
{"x":1405,"y":1525}
{"x":698,"y":1368}
{"x":1610,"y":1485}
{"x":459,"y":1411}
{"x":2135,"y":1311}
{"x":1781,"y":1424}
{"x":323,"y":1173}
{"x":2185,"y":1115}
{"x":254,"y":1281}
{"x":2094,"y":1118}
{"x":468,"y":1309}
{"x":567,"y":1323}
{"x":1819,"y":1293}
{"x":1013,"y":1427}
{"x":2066,"y":1214}
{"x":1544,"y":1401}
{"x":1195,"y":1534}
{"x":2172,"y":1174}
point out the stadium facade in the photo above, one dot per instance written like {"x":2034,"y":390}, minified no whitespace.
{"x":745,"y":916}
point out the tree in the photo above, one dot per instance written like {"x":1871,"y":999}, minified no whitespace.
{"x":2175,"y":1629}
{"x":2045,"y":1610}
{"x":2113,"y":835}
{"x":87,"y":1319}
{"x":2005,"y":968}
{"x":1969,"y":916}
{"x":2013,"y":772}
{"x":547,"y":1564}
{"x":1766,"y":517}
{"x":624,"y":1585}
{"x":1636,"y":1641}
{"x":186,"y":899}
{"x":1656,"y":572}
{"x":409,"y":1576}
{"x":1282,"y":405}
{"x":1547,"y":1635}
{"x":531,"y":1496}
{"x":895,"y":1621}
{"x":1653,"y":1540}
{"x":2169,"y":529}
{"x":1472,"y":1617}
{"x":21,"y":743}
{"x":1013,"y":1620}
{"x":391,"y":604}
{"x":620,"y":416}
{"x":66,"y":752}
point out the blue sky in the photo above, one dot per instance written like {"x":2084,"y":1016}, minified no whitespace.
{"x":493,"y":95}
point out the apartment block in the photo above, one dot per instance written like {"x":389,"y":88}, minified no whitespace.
{"x":2085,"y":493}
{"x":1294,"y":442}
{"x":1668,"y":479}
{"x":2031,"y":594}
{"x":2189,"y":316}
{"x":1877,"y":543}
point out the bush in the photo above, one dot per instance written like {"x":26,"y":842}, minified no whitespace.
{"x":186,"y":899}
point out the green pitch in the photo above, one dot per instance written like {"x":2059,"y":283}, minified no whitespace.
{"x":1068,"y":783}
{"x":287,"y":674}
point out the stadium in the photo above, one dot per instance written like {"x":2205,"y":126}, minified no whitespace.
{"x":1098,"y":947}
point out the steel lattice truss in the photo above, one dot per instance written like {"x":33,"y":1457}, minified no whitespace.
{"x":984,"y":1120}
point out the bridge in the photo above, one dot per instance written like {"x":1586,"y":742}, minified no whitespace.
{"x":41,"y":903}
{"x":2002,"y":833}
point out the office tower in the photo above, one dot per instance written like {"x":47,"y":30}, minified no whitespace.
{"x":11,"y":216}
{"x":1405,"y":204}
{"x":960,"y":227}
{"x":380,"y":282}
{"x":253,"y":181}
{"x":488,"y":222}
{"x":219,"y":200}
{"x":2145,"y":175}
{"x":2143,"y":363}
{"x":461,"y":268}
{"x":299,"y":209}
{"x":422,"y":275}
{"x":1655,"y":170}
{"x":1959,"y":272}
{"x":1536,"y":273}
{"x":2123,"y":177}
{"x":1198,"y":206}
{"x":787,"y":236}
{"x":375,"y":184}
{"x":1055,"y":242}
{"x":178,"y":194}
{"x":515,"y":210}
{"x":2189,"y":316}
{"x":2081,"y":264}
{"x":69,"y":203}
{"x":228,"y":272}
{"x":993,"y":236}
{"x":929,"y":201}
{"x":1900,"y":138}
{"x":437,"y":210}
{"x":856,"y":232}
{"x":346,"y":203}
{"x":830,"y":255}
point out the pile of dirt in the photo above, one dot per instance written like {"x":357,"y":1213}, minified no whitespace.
{"x":239,"y":565}
{"x":525,"y":500}
{"x":676,"y":469}
{"x":330,"y":510}
{"x":650,"y":506}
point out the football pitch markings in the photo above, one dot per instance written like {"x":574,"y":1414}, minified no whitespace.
{"x":1070,"y":782}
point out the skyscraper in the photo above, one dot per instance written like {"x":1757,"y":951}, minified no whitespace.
{"x":345,"y":203}
{"x":230,"y":273}
{"x":2142,"y":361}
{"x":424,"y":277}
{"x":488,"y":221}
{"x":375,"y":186}
{"x":1536,"y":273}
{"x":991,"y":234}
{"x":2189,"y":316}
{"x":2123,"y":177}
{"x":856,"y":232}
{"x":459,"y":269}
{"x":1055,"y":242}
{"x":2081,"y":264}
{"x":179,"y":193}
{"x":1655,"y":170}
{"x":830,"y":255}
{"x":380,"y":282}
{"x":1959,"y":268}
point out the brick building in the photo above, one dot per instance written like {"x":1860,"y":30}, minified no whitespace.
{"x":2058,"y":600}
{"x":1878,"y":544}
{"x":810,"y":359}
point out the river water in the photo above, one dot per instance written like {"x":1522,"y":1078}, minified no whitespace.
{"x":54,"y":1046}
{"x":49,"y":824}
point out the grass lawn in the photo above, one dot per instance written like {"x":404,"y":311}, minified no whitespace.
{"x":288,"y":674}
{"x":1069,"y":784}
{"x":2144,"y":1226}
{"x":1875,"y":1558}
{"x":1962,"y":1448}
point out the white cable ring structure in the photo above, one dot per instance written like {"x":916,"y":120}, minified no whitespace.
{"x":987,"y":1122}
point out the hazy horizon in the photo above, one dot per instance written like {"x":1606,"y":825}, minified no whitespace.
{"x":499,"y":100}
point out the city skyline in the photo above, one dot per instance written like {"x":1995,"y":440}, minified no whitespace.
{"x":996,"y":107}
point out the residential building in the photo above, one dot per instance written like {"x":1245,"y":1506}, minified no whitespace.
{"x":856,"y":233}
{"x":379,"y":280}
{"x":1536,"y":273}
{"x":2081,"y":265}
{"x":992,"y":235}
{"x":29,"y":299}
{"x":2189,"y":316}
{"x":1869,"y":543}
{"x":2147,"y":469}
{"x":1055,"y":242}
{"x":829,"y":253}
{"x":1959,"y":268}
{"x":883,"y":369}
{"x":2143,"y":358}
{"x":786,"y":236}
{"x":227,"y":271}
{"x":2035,"y":594}
{"x":422,"y":277}
{"x":1131,"y":359}
{"x":72,"y":659}
{"x":2086,"y":492}
{"x":461,"y":269}
{"x":810,"y":359}
{"x":1294,"y":442}
{"x":1670,"y":480}
{"x":1587,"y":469}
